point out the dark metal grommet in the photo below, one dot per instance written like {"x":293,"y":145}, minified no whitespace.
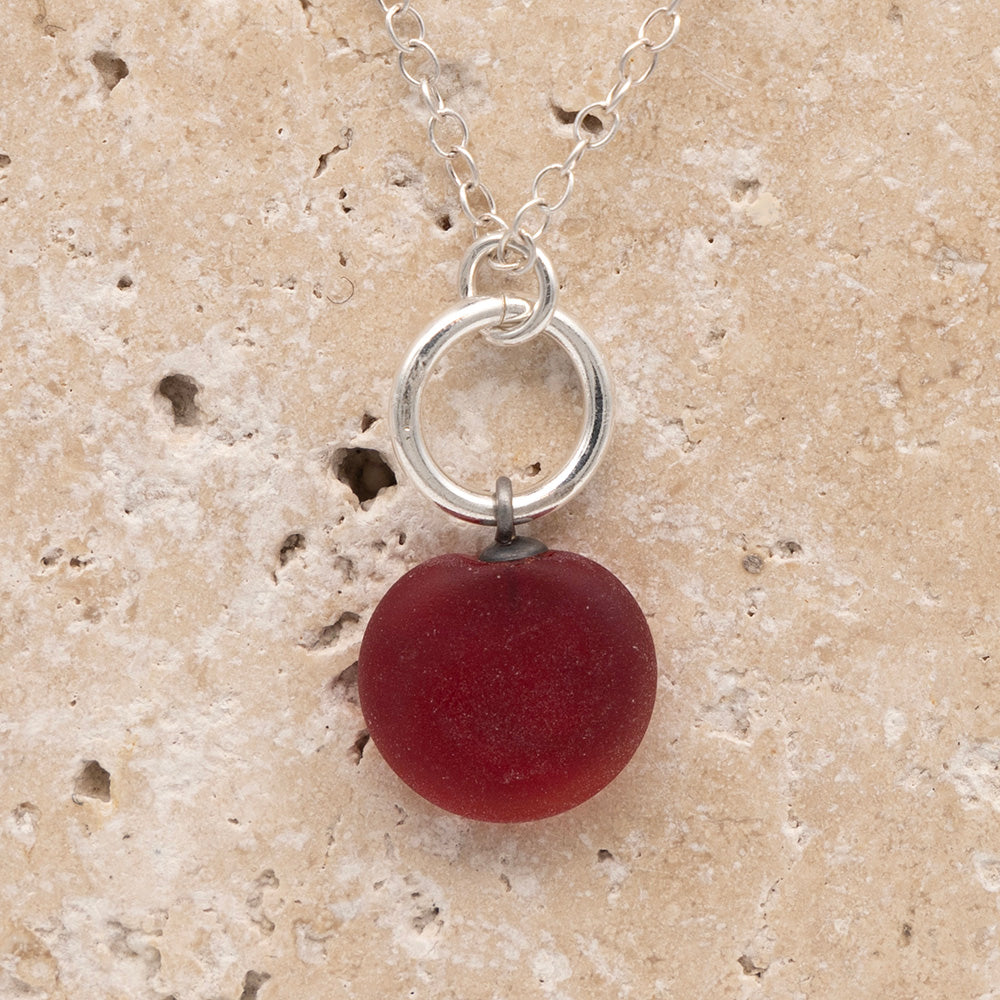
{"x":509,"y":546}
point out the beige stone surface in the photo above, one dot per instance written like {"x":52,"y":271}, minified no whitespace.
{"x":788,"y":258}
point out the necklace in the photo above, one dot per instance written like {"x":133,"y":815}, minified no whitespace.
{"x":518,"y":684}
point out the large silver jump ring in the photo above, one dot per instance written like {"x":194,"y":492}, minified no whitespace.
{"x":543,"y":310}
{"x":411,"y":448}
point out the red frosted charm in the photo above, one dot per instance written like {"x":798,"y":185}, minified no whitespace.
{"x":507,"y":691}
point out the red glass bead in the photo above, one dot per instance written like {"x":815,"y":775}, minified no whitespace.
{"x":507,"y":691}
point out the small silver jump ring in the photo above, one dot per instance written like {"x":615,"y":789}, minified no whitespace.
{"x":523,"y":328}
{"x":522,"y":244}
{"x":411,"y":448}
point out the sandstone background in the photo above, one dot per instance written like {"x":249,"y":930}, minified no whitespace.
{"x":221,"y":226}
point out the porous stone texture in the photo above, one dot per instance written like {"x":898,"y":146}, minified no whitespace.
{"x":221,"y":227}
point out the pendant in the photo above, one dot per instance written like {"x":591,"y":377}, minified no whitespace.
{"x":515,"y":685}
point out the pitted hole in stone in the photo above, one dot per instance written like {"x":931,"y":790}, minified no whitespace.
{"x":131,"y":944}
{"x":325,"y":637}
{"x":267,"y":879}
{"x":367,"y":420}
{"x":93,"y":782}
{"x":24,"y":822}
{"x":344,"y":687}
{"x":745,"y":189}
{"x":4,"y":160}
{"x":255,"y":901}
{"x":346,"y":138}
{"x":787,"y":549}
{"x":181,"y":392}
{"x":124,"y":283}
{"x":346,"y":567}
{"x":26,"y":813}
{"x":750,"y":967}
{"x":605,"y":855}
{"x":358,"y":746}
{"x":252,"y":982}
{"x":292,"y":544}
{"x":365,"y":471}
{"x":111,"y":68}
{"x":445,"y":222}
{"x":427,"y":916}
{"x":563,"y":115}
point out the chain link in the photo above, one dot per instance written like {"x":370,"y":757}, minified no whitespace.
{"x":594,"y":127}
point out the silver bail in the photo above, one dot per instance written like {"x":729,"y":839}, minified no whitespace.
{"x":508,"y":547}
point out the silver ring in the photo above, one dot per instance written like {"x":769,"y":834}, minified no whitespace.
{"x":411,"y":448}
{"x":543,"y":310}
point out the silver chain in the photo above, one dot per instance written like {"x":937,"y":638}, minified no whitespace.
{"x":594,"y":127}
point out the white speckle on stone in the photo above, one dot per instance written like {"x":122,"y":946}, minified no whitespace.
{"x":987,"y":871}
{"x":889,"y":394}
{"x":975,"y":772}
{"x":894,"y":725}
{"x":820,"y":89}
{"x":525,"y":886}
{"x":764,"y":210}
{"x":550,"y":968}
